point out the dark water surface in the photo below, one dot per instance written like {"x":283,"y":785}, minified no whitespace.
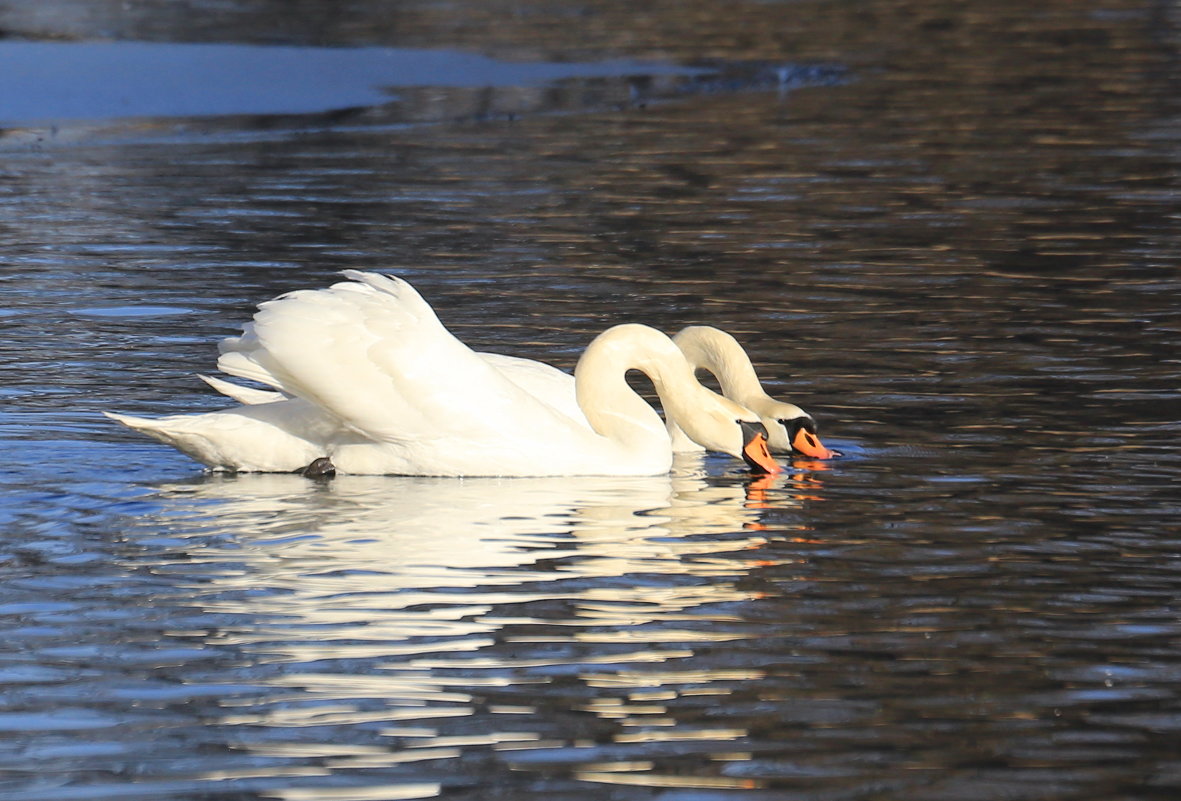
{"x":948,"y":230}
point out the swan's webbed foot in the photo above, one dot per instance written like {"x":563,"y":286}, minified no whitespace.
{"x":319,"y":468}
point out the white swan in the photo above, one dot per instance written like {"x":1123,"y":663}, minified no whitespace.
{"x":368,"y":377}
{"x":790,"y":428}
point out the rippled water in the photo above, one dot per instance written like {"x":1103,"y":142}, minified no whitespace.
{"x":949,"y":233}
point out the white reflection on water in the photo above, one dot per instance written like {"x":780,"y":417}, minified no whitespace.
{"x":433,"y":617}
{"x":389,"y":534}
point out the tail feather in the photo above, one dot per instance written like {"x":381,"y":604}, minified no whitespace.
{"x":170,"y":431}
{"x":274,"y":437}
{"x":247,"y":396}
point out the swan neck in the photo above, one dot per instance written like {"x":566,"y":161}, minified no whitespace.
{"x":712,"y":349}
{"x":611,"y":406}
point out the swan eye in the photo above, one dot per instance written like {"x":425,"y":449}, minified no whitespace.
{"x":750,"y":429}
{"x":801,"y":433}
{"x":794,"y":425}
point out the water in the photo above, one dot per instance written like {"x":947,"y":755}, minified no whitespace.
{"x":952,"y":241}
{"x":48,"y":82}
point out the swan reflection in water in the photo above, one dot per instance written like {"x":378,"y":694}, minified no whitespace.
{"x":391,"y":535}
{"x":459,"y":616}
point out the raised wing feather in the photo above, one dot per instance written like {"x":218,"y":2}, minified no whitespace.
{"x":372,"y":353}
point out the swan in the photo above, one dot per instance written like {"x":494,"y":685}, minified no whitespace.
{"x":790,"y":429}
{"x":364,"y":375}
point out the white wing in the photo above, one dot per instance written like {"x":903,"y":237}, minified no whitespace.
{"x":543,"y":381}
{"x":372,"y":353}
{"x":247,"y":396}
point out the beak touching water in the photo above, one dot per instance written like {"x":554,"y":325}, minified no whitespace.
{"x":808,"y":443}
{"x":754,"y":449}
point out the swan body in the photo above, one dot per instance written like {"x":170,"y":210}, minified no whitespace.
{"x":543,"y":381}
{"x":365,"y":374}
{"x":790,"y":429}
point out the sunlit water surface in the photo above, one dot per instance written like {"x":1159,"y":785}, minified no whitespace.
{"x":961,"y":258}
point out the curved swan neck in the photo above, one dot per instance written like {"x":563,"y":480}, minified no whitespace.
{"x":712,"y":349}
{"x":611,"y":406}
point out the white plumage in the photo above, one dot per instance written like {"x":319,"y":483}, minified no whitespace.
{"x":365,"y":374}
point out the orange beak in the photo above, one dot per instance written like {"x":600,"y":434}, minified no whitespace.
{"x":809,"y":444}
{"x":756,"y":454}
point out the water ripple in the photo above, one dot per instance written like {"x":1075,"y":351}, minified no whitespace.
{"x":962,"y":263}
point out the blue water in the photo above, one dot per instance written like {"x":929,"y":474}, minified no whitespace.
{"x":47,"y":82}
{"x":960,"y":258}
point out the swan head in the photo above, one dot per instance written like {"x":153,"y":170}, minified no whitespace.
{"x":797,"y":434}
{"x":790,"y":428}
{"x":719,"y":424}
{"x":754,"y":448}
